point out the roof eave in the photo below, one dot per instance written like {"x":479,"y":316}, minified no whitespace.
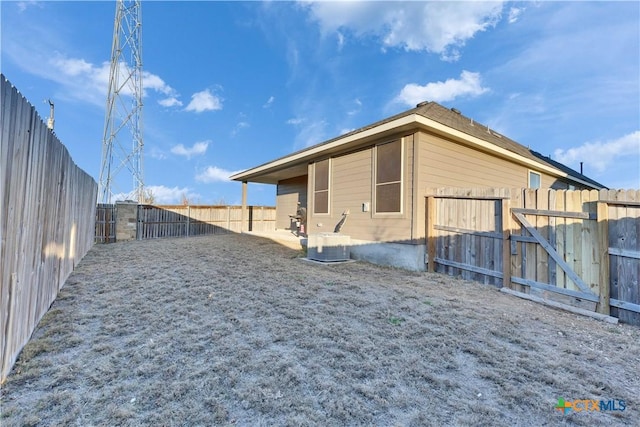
{"x":407,"y":122}
{"x":312,"y":152}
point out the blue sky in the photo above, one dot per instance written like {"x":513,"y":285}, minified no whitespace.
{"x":230,"y":85}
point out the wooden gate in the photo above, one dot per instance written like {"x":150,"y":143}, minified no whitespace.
{"x":105,"y":223}
{"x":554,"y":249}
{"x":579,"y":248}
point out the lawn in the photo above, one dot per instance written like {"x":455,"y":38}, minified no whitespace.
{"x":238,"y":330}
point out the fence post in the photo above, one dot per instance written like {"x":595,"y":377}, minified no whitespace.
{"x":506,"y":248}
{"x":431,"y":233}
{"x":603,"y":248}
{"x":244,"y":206}
{"x":188,"y":219}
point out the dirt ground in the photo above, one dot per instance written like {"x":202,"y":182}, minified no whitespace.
{"x":238,"y":330}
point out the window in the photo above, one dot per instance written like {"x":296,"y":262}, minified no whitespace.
{"x":534,"y":179}
{"x":321,"y":187}
{"x":388,"y":179}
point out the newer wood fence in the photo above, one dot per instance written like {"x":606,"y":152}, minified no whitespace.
{"x":184,"y":221}
{"x":153,"y":222}
{"x":576,"y":247}
{"x":47,"y":220}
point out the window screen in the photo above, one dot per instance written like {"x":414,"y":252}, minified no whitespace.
{"x":389,"y":177}
{"x":534,"y":179}
{"x":321,"y":188}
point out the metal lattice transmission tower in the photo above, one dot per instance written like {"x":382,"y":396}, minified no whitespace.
{"x":122,"y":142}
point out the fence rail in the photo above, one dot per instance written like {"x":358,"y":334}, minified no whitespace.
{"x":47,"y":220}
{"x":576,"y":247}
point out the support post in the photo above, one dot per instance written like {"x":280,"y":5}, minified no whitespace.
{"x":188,"y":220}
{"x":431,"y":233}
{"x":243,"y":225}
{"x":603,"y":251}
{"x":506,"y":244}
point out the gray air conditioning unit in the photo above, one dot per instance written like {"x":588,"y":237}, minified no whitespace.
{"x":328,"y":247}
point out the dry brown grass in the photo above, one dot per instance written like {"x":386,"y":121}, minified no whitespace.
{"x":238,"y":330}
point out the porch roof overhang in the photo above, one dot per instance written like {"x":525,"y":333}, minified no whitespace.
{"x":295,"y":164}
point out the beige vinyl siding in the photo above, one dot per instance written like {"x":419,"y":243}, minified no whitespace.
{"x":289,"y":193}
{"x":351,"y":186}
{"x":447,"y":164}
{"x":444,"y":163}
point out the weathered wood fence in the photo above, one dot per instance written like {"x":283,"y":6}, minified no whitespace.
{"x":105,"y":223}
{"x":580,"y":248}
{"x":46,"y":226}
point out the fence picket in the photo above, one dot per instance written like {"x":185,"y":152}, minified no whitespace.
{"x":562,"y":253}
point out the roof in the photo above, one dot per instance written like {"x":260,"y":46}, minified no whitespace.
{"x":428,"y":115}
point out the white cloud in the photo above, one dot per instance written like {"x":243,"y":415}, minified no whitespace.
{"x":601,"y":155}
{"x":23,"y":5}
{"x":204,"y":101}
{"x":309,"y":132}
{"x":156,"y":153}
{"x":73,"y":66}
{"x":214,"y":174}
{"x":163,"y":195}
{"x":469,"y":84}
{"x":197,"y":149}
{"x":170,"y":102}
{"x":514,"y":14}
{"x":88,"y":82}
{"x":357,"y":109}
{"x":152,"y":81}
{"x":167,"y":196}
{"x":239,"y":126}
{"x":341,"y":40}
{"x":269,"y":102}
{"x":438,"y":27}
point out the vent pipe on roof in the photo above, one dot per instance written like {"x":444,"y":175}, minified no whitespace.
{"x":581,"y":168}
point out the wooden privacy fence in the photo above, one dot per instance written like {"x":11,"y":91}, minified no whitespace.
{"x":105,"y":223}
{"x":580,"y":248}
{"x":47,"y":220}
{"x":182,"y":221}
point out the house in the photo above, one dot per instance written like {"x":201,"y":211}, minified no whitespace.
{"x":378,"y":177}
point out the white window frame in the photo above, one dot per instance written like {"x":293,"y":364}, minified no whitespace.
{"x":531,"y":172}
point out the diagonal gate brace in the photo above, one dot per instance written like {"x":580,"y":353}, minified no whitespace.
{"x":552,"y":253}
